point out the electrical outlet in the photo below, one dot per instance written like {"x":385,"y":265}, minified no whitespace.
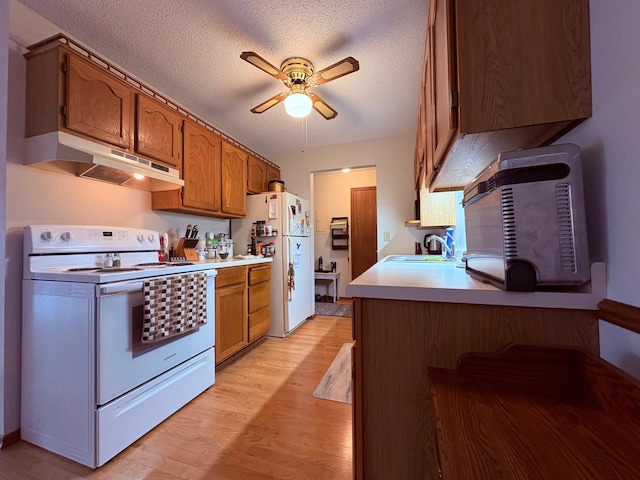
{"x":387,"y":236}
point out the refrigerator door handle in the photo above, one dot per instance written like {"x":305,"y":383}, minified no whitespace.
{"x":291,"y":216}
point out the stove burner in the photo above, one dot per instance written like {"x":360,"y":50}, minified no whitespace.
{"x":164,"y":264}
{"x":117,"y":269}
{"x":82,"y":269}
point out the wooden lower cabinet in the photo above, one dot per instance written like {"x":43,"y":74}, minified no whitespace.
{"x":395,"y":344}
{"x":243,"y":307}
{"x":231,"y":312}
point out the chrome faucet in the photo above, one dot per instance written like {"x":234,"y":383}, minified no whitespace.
{"x":442,"y":242}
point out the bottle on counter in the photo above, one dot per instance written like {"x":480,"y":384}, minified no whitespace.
{"x":108,"y":261}
{"x":320,"y":263}
{"x":116,"y":260}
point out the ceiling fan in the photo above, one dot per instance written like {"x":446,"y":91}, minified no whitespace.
{"x":297,"y":74}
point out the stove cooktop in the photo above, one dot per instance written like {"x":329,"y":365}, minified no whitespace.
{"x":100,"y":274}
{"x":77,"y":253}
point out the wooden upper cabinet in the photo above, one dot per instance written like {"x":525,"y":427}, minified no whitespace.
{"x":98,"y":104}
{"x":201,"y":168}
{"x":273,"y":173}
{"x":442,"y":102}
{"x":234,"y":180}
{"x":69,"y":93}
{"x":505,"y":75}
{"x":157,"y":132}
{"x":257,"y":175}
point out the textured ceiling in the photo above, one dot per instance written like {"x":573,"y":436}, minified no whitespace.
{"x":190,"y":51}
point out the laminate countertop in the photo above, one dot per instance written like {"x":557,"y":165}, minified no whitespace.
{"x":236,"y":261}
{"x":446,"y":282}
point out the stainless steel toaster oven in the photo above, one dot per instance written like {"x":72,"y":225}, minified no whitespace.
{"x":525,"y":220}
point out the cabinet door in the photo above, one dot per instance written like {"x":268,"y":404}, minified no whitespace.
{"x":201,"y":168}
{"x":232,"y":332}
{"x":257,"y":172}
{"x":98,"y":104}
{"x":443,"y":113}
{"x":157,"y":133}
{"x":234,"y":180}
{"x":272,"y":174}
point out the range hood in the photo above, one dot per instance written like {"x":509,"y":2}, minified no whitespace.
{"x":62,"y":152}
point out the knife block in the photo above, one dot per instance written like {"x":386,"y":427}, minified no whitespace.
{"x":187,"y":248}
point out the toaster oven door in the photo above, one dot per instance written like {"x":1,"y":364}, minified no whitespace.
{"x":485,"y":248}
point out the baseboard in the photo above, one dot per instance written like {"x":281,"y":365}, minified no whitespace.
{"x":621,"y":314}
{"x":9,"y":438}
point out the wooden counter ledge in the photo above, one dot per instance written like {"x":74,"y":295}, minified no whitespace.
{"x":536,"y":413}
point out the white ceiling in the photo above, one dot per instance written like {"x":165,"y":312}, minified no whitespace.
{"x":190,"y":52}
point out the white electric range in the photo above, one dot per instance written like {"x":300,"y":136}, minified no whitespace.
{"x":91,"y":385}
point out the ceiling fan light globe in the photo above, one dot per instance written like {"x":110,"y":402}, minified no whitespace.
{"x":297,"y":105}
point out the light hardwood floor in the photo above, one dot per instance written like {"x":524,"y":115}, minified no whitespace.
{"x":259,"y":421}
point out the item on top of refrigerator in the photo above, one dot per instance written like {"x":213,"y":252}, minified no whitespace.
{"x":276,"y":186}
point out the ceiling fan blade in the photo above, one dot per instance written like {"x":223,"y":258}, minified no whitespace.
{"x":264,"y":106}
{"x":321,"y":107}
{"x":257,"y":61}
{"x":337,"y":70}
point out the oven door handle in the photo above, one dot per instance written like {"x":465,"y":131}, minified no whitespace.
{"x":128,"y":287}
{"x":121,"y":288}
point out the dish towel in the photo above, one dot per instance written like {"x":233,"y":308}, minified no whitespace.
{"x":173,"y":305}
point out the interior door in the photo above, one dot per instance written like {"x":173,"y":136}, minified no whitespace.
{"x":364,"y":229}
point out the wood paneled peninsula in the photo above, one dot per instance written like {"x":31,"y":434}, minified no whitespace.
{"x":409,"y":317}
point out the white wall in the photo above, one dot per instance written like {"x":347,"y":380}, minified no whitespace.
{"x":610,"y":142}
{"x":8,"y":404}
{"x":332,"y":192}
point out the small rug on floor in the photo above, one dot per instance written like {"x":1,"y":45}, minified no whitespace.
{"x":333,"y":309}
{"x":336,"y":383}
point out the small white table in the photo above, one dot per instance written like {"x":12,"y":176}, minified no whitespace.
{"x":333,"y":278}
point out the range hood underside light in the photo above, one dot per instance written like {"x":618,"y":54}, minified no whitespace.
{"x":65,"y":153}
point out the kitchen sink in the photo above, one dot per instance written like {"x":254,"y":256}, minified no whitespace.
{"x":417,"y":258}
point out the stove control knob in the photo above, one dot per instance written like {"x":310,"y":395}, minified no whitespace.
{"x":140,"y":237}
{"x":66,"y":236}
{"x":47,"y":235}
{"x":152,"y":237}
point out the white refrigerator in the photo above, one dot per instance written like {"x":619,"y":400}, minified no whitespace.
{"x":289,"y":215}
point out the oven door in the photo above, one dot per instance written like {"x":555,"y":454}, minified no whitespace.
{"x":124,"y":362}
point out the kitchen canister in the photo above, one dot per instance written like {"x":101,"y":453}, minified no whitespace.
{"x":276,"y":186}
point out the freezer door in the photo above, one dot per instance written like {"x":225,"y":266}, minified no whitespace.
{"x":296,"y":215}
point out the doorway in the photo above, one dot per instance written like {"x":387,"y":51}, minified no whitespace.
{"x":364,"y":229}
{"x":331,"y":193}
